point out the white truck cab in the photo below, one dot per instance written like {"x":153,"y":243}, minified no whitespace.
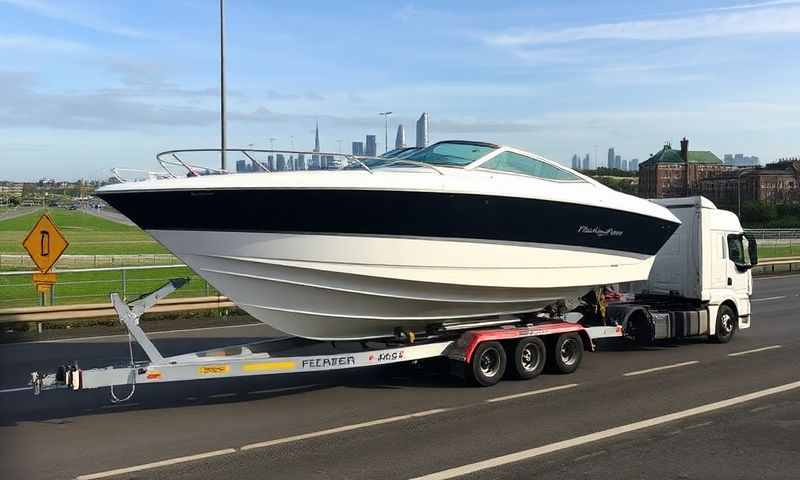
{"x":700,"y":283}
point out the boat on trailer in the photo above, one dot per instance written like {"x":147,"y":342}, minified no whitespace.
{"x":458,"y":234}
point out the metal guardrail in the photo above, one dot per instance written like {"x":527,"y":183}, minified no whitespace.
{"x":102,"y":310}
{"x":768,"y":265}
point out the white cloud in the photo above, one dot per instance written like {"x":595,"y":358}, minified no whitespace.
{"x":49,"y":10}
{"x":751,"y":22}
{"x":35,"y":42}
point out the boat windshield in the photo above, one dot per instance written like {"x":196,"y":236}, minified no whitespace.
{"x":452,"y":154}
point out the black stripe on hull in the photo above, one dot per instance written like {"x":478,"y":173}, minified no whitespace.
{"x":401,"y":213}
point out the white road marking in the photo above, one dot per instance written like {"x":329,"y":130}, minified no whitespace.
{"x":345,"y":428}
{"x":590,"y":455}
{"x":698,"y":425}
{"x":771,"y":347}
{"x":535,"y":392}
{"x":658,"y":369}
{"x":611,"y":432}
{"x":20,"y":389}
{"x":766,"y":299}
{"x":761,"y":408}
{"x":162,"y":463}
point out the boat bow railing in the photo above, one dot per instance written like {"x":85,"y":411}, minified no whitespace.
{"x":175,"y":165}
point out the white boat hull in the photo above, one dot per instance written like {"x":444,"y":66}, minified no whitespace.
{"x":357,"y":287}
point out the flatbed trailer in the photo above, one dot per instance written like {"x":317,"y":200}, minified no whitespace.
{"x":485,"y":353}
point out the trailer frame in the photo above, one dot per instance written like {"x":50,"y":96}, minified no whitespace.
{"x":292,"y":355}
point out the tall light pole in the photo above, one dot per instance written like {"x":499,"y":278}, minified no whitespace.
{"x":386,"y":131}
{"x":223,"y":162}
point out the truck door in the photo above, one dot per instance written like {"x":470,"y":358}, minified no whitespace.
{"x":738,"y":266}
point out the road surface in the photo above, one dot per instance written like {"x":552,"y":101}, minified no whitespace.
{"x":622,"y":415}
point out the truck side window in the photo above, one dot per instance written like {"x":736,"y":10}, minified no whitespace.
{"x":736,"y":250}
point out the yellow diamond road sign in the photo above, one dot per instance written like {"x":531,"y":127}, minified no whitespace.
{"x":45,"y":243}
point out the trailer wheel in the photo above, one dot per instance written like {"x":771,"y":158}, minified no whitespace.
{"x":488,"y":364}
{"x":726,"y":325}
{"x":529,"y":358}
{"x":567,"y":353}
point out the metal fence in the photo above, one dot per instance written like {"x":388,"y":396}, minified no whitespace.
{"x":95,"y":285}
{"x":777,"y":242}
{"x":23,"y":261}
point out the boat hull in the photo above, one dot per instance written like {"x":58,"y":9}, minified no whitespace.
{"x":359,"y":286}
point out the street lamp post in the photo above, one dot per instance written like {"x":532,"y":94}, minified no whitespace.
{"x":223,"y":162}
{"x":386,"y":131}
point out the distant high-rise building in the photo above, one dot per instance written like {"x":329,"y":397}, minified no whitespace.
{"x":316,"y":137}
{"x":611,"y":157}
{"x":280,"y":162}
{"x":633,"y":165}
{"x":728,"y":159}
{"x":300,"y":164}
{"x":422,"y":130}
{"x":358,"y":148}
{"x":624,"y":165}
{"x":372,"y":146}
{"x":315,"y":163}
{"x":586,"y":162}
{"x":576,"y":162}
{"x":241,"y":166}
{"x":617,"y":162}
{"x":271,"y":163}
{"x":400,"y":141}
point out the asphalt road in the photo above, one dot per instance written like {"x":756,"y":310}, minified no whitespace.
{"x":597,"y":423}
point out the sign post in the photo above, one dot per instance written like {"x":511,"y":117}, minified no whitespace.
{"x":45,"y":244}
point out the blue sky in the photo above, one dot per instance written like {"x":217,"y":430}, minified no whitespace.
{"x":88,"y":85}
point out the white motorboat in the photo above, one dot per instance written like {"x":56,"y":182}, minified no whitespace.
{"x":459,"y":232}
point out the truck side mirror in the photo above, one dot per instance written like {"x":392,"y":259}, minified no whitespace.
{"x":752,"y":249}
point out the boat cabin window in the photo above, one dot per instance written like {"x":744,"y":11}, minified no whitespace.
{"x":516,"y":163}
{"x":455,"y":154}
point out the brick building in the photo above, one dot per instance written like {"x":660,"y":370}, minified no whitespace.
{"x":775,"y":183}
{"x":678,"y":173}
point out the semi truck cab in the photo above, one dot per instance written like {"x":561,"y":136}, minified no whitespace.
{"x":700,"y":282}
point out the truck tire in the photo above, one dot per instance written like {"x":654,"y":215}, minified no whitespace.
{"x":726,"y":325}
{"x":488,"y":364}
{"x":528,"y":358}
{"x":566,"y":354}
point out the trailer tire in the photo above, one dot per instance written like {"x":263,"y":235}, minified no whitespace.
{"x":529,"y":357}
{"x":488,"y":364}
{"x":726,"y":325}
{"x":566,"y":354}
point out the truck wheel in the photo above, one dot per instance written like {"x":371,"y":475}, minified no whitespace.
{"x":488,"y":364}
{"x":529,"y":358}
{"x":566,"y":354}
{"x":726,"y":325}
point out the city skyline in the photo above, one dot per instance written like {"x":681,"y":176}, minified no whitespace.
{"x":90,"y":86}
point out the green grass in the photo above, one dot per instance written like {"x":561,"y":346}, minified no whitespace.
{"x":95,"y":287}
{"x":772,"y":251}
{"x":87,"y":234}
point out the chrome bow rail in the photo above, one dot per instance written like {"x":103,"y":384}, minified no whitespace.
{"x":171,"y":159}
